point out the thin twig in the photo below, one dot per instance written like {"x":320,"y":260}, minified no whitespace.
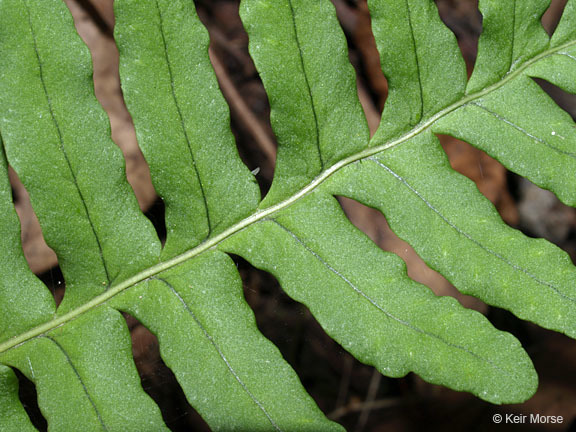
{"x":360,"y":406}
{"x":370,"y":398}
{"x":344,"y":382}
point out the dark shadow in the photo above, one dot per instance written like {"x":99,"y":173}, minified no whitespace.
{"x":565,"y":100}
{"x":156,"y":215}
{"x":160,"y":383}
{"x":29,"y":398}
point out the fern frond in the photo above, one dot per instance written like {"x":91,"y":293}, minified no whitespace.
{"x":188,"y":292}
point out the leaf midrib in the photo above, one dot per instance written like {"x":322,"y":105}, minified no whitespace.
{"x":260,"y":214}
{"x":62,"y":146}
{"x":182,"y":123}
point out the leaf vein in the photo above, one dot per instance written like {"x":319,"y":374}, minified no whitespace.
{"x":469,"y":237}
{"x":211,"y":243}
{"x":375,"y":304}
{"x":521,"y":129}
{"x":62,"y":147}
{"x":181,"y":120}
{"x":220,"y":353}
{"x":567,"y":55}
{"x":417,"y":60}
{"x":308,"y":87}
{"x":513,"y":39}
{"x":69,"y":360}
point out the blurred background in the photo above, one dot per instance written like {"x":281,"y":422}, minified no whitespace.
{"x":349,"y":392}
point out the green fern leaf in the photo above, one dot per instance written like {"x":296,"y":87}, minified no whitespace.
{"x":188,"y":292}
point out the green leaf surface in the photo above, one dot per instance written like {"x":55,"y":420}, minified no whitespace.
{"x":421,"y":60}
{"x":512,"y":34}
{"x":468,"y":243}
{"x":549,"y":68}
{"x":521,"y":126}
{"x":559,"y":65}
{"x":24,"y":300}
{"x":382,"y":317}
{"x":72,"y":170}
{"x":566,"y":31}
{"x":514,"y":120}
{"x":224,"y":387}
{"x":85,"y":377}
{"x":75,"y":176}
{"x":422,"y":199}
{"x":189,"y":295}
{"x":13,"y":418}
{"x":300,"y":53}
{"x":233,"y":376}
{"x":181,"y":120}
